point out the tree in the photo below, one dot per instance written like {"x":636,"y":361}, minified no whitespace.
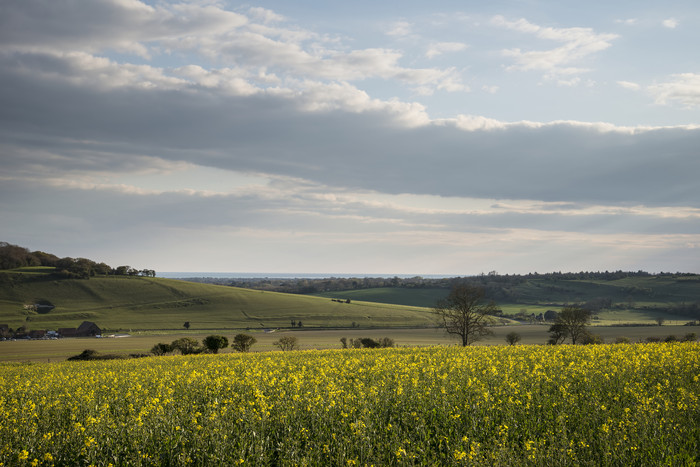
{"x":215,"y":342}
{"x":463,"y":314}
{"x":660,"y":321}
{"x":557,"y":334}
{"x":187,"y":325}
{"x":161,"y":349}
{"x":243,"y":342}
{"x":287,"y":343}
{"x":571,"y":323}
{"x":513,"y":338}
{"x":186,"y":345}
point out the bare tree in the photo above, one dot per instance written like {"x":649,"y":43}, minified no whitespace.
{"x":463,"y":313}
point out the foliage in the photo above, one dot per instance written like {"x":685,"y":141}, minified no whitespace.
{"x":286,"y":343}
{"x":186,"y":345}
{"x":367,"y":343}
{"x":635,"y":404}
{"x":571,"y":323}
{"x":513,"y":338}
{"x":161,"y":349}
{"x":243,"y":342}
{"x":214,"y":343}
{"x":463,"y":314}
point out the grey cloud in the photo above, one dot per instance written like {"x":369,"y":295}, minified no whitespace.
{"x":102,"y":23}
{"x":360,"y":150}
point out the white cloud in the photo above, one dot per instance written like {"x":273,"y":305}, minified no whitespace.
{"x":629,"y":85}
{"x":265,"y":15}
{"x":579,"y":44}
{"x":400,"y":28}
{"x":440,"y":48}
{"x":683,"y":88}
{"x":670,"y":23}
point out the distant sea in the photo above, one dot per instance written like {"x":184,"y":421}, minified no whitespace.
{"x":292,"y":275}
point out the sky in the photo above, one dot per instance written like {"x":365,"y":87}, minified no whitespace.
{"x":365,"y":137}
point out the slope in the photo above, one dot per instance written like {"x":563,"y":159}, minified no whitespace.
{"x":123,"y":302}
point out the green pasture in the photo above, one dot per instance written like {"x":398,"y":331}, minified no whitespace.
{"x":427,"y":297}
{"x":119,"y":303}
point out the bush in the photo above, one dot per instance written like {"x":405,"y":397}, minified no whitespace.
{"x":622,"y":340}
{"x":215,"y":342}
{"x":671,"y":338}
{"x":690,"y":337}
{"x":186,"y":345}
{"x":513,"y":338}
{"x":368,"y":343}
{"x":590,"y":339}
{"x":287,"y":343}
{"x":243,"y":342}
{"x":161,"y":349}
{"x":386,"y":342}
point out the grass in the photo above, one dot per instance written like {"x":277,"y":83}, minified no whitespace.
{"x":427,"y":297}
{"x":119,"y":303}
{"x":481,"y":406}
{"x":310,"y":339}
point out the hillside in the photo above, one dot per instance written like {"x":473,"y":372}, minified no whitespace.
{"x":139,"y":303}
{"x":628,"y":299}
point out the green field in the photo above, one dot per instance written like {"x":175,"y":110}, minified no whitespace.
{"x":613,"y":405}
{"x":634,"y":300}
{"x":153,"y":310}
{"x":427,"y":297}
{"x":121,"y":303}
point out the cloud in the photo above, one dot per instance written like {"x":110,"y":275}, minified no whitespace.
{"x":629,"y":85}
{"x":683,"y":88}
{"x":670,"y":23}
{"x":578,"y":44}
{"x":244,"y":141}
{"x":400,"y":28}
{"x":126,"y":26}
{"x":440,"y":48}
{"x":332,"y":134}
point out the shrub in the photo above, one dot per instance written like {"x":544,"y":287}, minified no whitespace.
{"x":589,"y":339}
{"x":386,"y":342}
{"x":243,"y":342}
{"x":186,"y":345}
{"x":215,"y":342}
{"x":513,"y":338}
{"x":287,"y":343}
{"x":161,"y":349}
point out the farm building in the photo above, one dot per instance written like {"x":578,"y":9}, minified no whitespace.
{"x":86,"y":329}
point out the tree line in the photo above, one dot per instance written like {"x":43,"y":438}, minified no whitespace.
{"x":495,"y":285}
{"x":14,"y":256}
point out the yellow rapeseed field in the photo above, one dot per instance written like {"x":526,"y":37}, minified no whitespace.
{"x":519,"y":405}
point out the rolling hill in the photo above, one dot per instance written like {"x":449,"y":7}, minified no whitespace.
{"x":631,"y":299}
{"x":147,"y":303}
